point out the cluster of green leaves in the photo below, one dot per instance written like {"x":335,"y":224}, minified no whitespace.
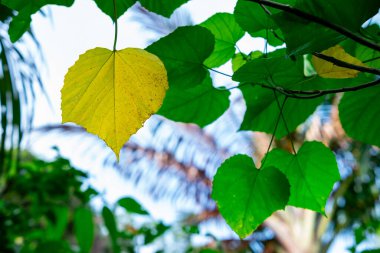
{"x":329,"y":49}
{"x":46,"y":205}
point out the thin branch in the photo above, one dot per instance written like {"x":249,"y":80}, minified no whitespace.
{"x":283,"y":119}
{"x":318,"y":93}
{"x":274,"y":130}
{"x":304,"y":15}
{"x":347,"y":65}
{"x":217,"y":71}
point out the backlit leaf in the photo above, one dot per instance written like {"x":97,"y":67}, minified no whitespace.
{"x":183,"y":53}
{"x":329,"y":70}
{"x":359,"y":113}
{"x":312,"y":173}
{"x":111,"y":94}
{"x":227,"y":32}
{"x":246,"y":196}
{"x":21,"y":23}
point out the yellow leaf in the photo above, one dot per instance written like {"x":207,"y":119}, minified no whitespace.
{"x":111,"y":94}
{"x":329,"y":70}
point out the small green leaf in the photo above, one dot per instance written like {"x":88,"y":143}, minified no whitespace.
{"x":202,"y":104}
{"x":183,"y":53}
{"x":110,"y":223}
{"x":132,"y":206}
{"x":163,"y":8}
{"x":240,"y":59}
{"x":227,"y":33}
{"x":312,"y":174}
{"x":246,"y":196}
{"x":359,"y":113}
{"x":108,"y":8}
{"x":21,"y":23}
{"x":84,"y":229}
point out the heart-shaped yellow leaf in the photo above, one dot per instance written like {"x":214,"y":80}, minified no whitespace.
{"x":329,"y":70}
{"x":112,"y":93}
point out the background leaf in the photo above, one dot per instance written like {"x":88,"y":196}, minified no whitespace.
{"x":21,"y":23}
{"x":132,"y":206}
{"x":84,"y":229}
{"x":110,"y":223}
{"x":329,"y":70}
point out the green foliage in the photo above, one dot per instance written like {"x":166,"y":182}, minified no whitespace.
{"x":132,"y":206}
{"x":201,"y":104}
{"x":183,"y":53}
{"x":264,"y":109}
{"x":25,"y":9}
{"x":280,"y":89}
{"x":312,"y":173}
{"x":164,"y":8}
{"x":84,"y":229}
{"x":358,"y":125}
{"x":108,"y":7}
{"x":227,"y":33}
{"x":246,"y":196}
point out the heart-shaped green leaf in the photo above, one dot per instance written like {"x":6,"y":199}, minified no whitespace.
{"x":311,"y":173}
{"x":247,"y":196}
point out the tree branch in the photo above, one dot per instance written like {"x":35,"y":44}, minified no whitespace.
{"x":304,"y":15}
{"x":309,"y":94}
{"x":347,"y":65}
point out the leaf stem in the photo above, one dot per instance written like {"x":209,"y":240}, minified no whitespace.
{"x":115,"y":21}
{"x":286,"y":125}
{"x":274,"y":131}
{"x":324,"y":22}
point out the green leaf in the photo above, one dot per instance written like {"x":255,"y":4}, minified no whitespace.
{"x":359,"y":113}
{"x":246,"y":196}
{"x":253,"y":18}
{"x":202,"y":104}
{"x":227,"y":33}
{"x":271,"y":71}
{"x":21,"y":23}
{"x":240,"y":59}
{"x":132,"y":206}
{"x":312,"y":174}
{"x":263,"y":111}
{"x":303,"y":36}
{"x":84,"y":229}
{"x":110,"y":223}
{"x":183,"y":53}
{"x":47,"y":246}
{"x":108,"y":8}
{"x":163,"y":8}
